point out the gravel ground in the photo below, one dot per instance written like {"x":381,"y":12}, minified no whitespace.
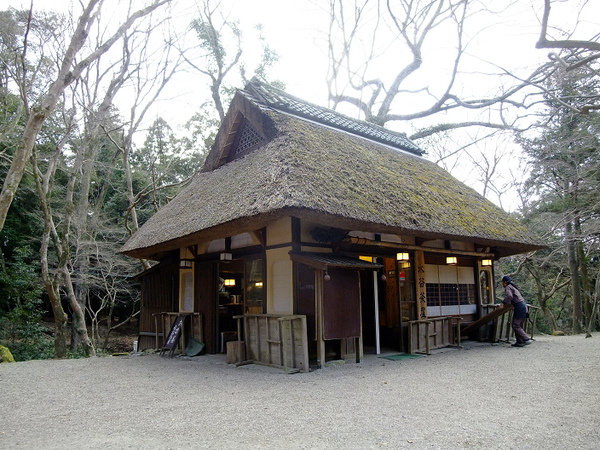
{"x":483,"y":396}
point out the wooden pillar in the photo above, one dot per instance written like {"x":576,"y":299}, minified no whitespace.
{"x":319,"y":303}
{"x":360,"y":350}
{"x":420,"y":285}
{"x":376,"y":297}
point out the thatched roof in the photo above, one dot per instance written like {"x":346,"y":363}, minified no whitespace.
{"x":332,"y":177}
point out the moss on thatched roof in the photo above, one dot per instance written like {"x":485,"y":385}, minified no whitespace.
{"x":331,"y":177}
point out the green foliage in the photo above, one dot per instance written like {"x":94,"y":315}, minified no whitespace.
{"x":20,"y":325}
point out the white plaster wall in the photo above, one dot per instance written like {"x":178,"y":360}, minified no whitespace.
{"x":279,"y":232}
{"x":279,"y":281}
{"x":305,"y":229}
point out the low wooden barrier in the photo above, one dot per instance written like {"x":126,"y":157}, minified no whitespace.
{"x":425,"y":335}
{"x":275,"y":340}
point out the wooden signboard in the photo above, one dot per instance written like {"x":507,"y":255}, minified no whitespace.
{"x":172,"y":338}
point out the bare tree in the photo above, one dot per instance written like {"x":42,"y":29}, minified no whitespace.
{"x":577,"y":54}
{"x":69,"y":71}
{"x":401,"y":33}
{"x":213,"y":47}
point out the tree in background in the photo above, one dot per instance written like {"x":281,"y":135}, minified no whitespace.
{"x":560,"y":196}
{"x":563,"y":186}
{"x":68,"y":146}
{"x":215,"y":48}
{"x":94,"y":182}
{"x":70,"y":68}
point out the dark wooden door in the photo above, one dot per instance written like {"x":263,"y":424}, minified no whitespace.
{"x":205,"y":293}
{"x":341,"y":305}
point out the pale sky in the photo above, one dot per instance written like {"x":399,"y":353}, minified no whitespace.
{"x":295,"y":30}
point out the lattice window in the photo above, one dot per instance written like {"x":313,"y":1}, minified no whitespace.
{"x":249,"y":138}
{"x":445,"y":294}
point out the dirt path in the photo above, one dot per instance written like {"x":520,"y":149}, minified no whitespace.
{"x":546,"y":395}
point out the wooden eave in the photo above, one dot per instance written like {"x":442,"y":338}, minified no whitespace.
{"x":251,"y":224}
{"x":326,"y":261}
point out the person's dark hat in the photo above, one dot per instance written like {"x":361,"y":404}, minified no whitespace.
{"x":506,"y":278}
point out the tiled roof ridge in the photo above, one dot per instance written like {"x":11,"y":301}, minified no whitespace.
{"x":268,"y":95}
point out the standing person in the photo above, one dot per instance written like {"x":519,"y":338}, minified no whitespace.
{"x":514,"y":297}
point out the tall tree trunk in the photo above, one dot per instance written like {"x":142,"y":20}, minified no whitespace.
{"x":592,"y":316}
{"x":575,"y":282}
{"x":583,"y":269}
{"x":543,"y":301}
{"x":60,"y":318}
{"x":52,"y":289}
{"x":549,"y":318}
{"x":78,"y":314}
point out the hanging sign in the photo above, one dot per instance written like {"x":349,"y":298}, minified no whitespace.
{"x":401,"y":276}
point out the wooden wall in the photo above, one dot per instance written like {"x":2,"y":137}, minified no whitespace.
{"x":159,"y":293}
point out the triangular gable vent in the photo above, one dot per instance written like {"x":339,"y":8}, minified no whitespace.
{"x":248,"y":138}
{"x":242,"y":138}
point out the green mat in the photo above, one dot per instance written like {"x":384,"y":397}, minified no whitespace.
{"x":400,"y":356}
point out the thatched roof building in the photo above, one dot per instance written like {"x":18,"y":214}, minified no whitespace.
{"x":308,"y":166}
{"x":296,"y":211}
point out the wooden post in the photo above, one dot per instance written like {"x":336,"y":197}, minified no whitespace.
{"x":282,"y":346}
{"x":246,"y":342}
{"x":376,"y":296}
{"x":428,"y":337}
{"x":457,"y":338}
{"x":359,"y":350}
{"x":257,"y":323}
{"x":319,"y":295}
{"x":156,"y":329}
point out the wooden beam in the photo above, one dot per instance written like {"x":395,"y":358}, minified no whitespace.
{"x":260,"y":236}
{"x":395,"y":246}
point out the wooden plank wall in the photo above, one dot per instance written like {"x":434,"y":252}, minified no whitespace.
{"x":159,"y":291}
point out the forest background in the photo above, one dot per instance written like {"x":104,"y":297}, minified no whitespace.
{"x":107,"y":109}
